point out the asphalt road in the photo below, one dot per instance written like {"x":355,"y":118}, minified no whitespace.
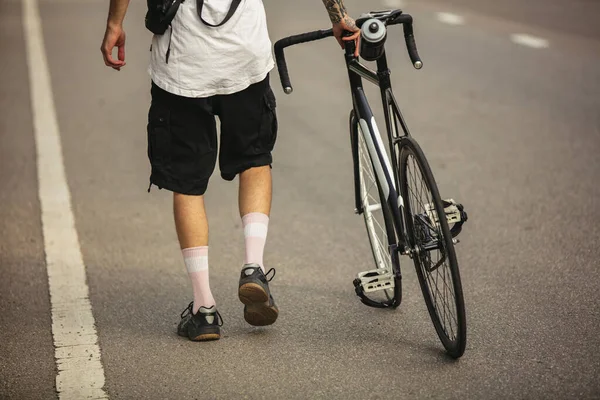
{"x":511,"y":131}
{"x":575,"y":17}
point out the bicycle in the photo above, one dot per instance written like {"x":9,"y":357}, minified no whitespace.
{"x":382,"y":184}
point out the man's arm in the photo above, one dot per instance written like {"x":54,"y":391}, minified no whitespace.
{"x":342,"y":22}
{"x":115,"y":35}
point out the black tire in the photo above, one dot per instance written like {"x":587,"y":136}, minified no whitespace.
{"x":396,"y":298}
{"x":451,"y":328}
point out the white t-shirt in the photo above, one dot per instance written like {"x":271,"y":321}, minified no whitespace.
{"x":206,"y":61}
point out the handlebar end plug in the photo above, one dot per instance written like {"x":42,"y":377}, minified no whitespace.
{"x":288,"y":90}
{"x":418,"y":64}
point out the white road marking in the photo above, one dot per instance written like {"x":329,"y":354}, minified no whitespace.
{"x":530,"y":41}
{"x":80,"y":372}
{"x":449,"y":18}
{"x":393,"y":4}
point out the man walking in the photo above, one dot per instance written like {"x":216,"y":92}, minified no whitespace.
{"x":214,"y":61}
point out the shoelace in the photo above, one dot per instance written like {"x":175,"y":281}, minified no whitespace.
{"x":220,"y":318}
{"x":267,"y":274}
{"x":189,"y":311}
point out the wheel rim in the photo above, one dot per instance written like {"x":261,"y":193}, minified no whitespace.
{"x":373,"y":212}
{"x":433,"y":264}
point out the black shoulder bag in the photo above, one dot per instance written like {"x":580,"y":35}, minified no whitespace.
{"x":161,"y":13}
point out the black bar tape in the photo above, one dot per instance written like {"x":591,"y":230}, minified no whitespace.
{"x":411,"y":46}
{"x":290,"y":41}
{"x":282,"y":66}
{"x":401,"y":19}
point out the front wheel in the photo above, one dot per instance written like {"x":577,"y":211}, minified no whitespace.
{"x":432,"y":248}
{"x":378,"y":222}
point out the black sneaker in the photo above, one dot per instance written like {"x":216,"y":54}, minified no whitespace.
{"x":260,"y":308}
{"x":204,"y":325}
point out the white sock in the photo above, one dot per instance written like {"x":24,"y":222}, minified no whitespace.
{"x":196,"y":262}
{"x":256,"y":226}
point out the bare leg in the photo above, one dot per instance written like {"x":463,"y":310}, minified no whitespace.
{"x":190,"y":220}
{"x":255,"y":191}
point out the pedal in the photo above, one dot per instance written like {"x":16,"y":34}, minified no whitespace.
{"x":455,"y":215}
{"x":374,"y":280}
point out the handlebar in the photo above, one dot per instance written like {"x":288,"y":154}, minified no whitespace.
{"x":389,"y":18}
{"x":409,"y":38}
{"x":290,"y":41}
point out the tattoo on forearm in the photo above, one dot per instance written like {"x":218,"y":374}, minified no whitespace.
{"x":349,"y":22}
{"x":336,"y":10}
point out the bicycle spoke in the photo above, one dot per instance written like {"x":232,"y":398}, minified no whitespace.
{"x":447,"y":309}
{"x":441,"y":292}
{"x":374,"y":212}
{"x":447,"y":312}
{"x":370,"y":197}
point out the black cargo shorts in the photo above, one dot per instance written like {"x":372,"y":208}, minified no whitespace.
{"x":182,"y":136}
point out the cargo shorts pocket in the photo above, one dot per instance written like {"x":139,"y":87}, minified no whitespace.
{"x":159,"y":137}
{"x":269,"y":123}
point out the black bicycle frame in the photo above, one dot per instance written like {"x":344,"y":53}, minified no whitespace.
{"x":364,"y":117}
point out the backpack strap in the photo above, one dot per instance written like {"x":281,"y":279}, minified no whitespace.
{"x":232,"y":10}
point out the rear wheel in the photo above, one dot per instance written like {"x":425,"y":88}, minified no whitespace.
{"x":378,"y":221}
{"x":432,"y":248}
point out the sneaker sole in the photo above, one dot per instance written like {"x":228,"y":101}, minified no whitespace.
{"x":206,"y":337}
{"x":257,"y":311}
{"x":260,"y":314}
{"x":203,"y":337}
{"x":252,"y":293}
